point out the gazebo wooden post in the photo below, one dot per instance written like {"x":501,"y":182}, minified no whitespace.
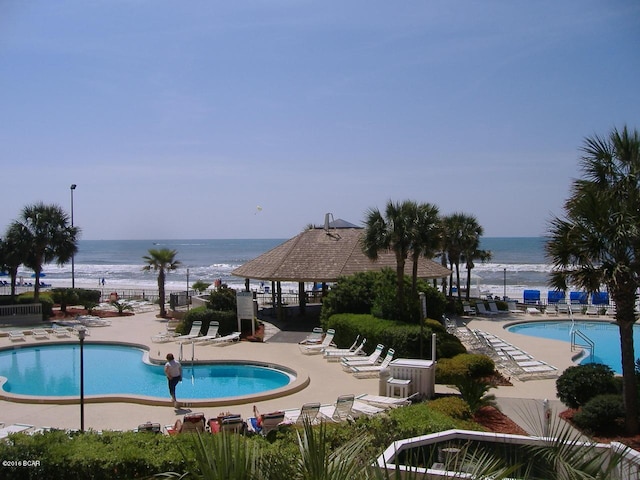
{"x":279,"y":301}
{"x":302,"y":298}
{"x":246,"y":284}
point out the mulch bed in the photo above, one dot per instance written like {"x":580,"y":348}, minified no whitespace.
{"x":632,"y":441}
{"x":497,"y":422}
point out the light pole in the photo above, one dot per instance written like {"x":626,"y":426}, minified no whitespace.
{"x":81,"y":336}
{"x":504,"y":295}
{"x":73,"y":273}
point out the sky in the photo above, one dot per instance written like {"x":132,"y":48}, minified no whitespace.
{"x":253,"y":119}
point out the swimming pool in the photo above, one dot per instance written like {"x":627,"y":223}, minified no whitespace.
{"x":121,"y":370}
{"x":605,"y":335}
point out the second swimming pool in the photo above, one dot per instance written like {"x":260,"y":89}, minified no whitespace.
{"x":605,"y":335}
{"x":54,"y":371}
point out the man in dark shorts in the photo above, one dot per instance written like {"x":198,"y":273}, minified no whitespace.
{"x":173,"y":371}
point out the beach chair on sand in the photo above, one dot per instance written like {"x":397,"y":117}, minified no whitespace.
{"x":327,"y":341}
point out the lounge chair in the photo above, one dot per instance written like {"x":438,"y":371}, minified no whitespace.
{"x":263,"y":424}
{"x":468,"y":310}
{"x":149,"y":427}
{"x":225,"y":340}
{"x":551,"y":309}
{"x":513,"y":307}
{"x":191,"y":423}
{"x":340,"y":411}
{"x":372,"y":359}
{"x":367,"y":371}
{"x":15,"y":335}
{"x":382,"y":401}
{"x":482,"y":310}
{"x":40,"y":333}
{"x":352,"y":348}
{"x":194,"y":333}
{"x":227,"y":423}
{"x":318,"y":348}
{"x":308,"y":411}
{"x":563,"y":307}
{"x":61,"y":332}
{"x":493,"y":307}
{"x":212,"y":333}
{"x":335,"y":354}
{"x":593,"y":310}
{"x":314,"y":337}
{"x":14,"y":428}
{"x":363,"y":408}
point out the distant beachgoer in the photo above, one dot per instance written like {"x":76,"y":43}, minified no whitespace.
{"x":103,"y":282}
{"x":173,"y":371}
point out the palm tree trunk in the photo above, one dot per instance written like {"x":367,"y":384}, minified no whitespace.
{"x":629,"y":379}
{"x":163,"y":312}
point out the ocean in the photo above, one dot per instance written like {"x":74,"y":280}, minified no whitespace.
{"x":516,"y":264}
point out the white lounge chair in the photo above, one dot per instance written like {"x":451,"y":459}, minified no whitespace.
{"x":14,"y":428}
{"x":212,"y":334}
{"x":468,"y":310}
{"x":367,"y":371}
{"x":314,"y":337}
{"x":493,"y":308}
{"x":39,"y":333}
{"x":513,"y":307}
{"x":383,"y":401}
{"x":225,"y":340}
{"x":363,"y":408}
{"x":308,"y":411}
{"x":318,"y":348}
{"x":341,"y":410}
{"x":335,"y":354}
{"x":593,"y":310}
{"x":482,"y":310}
{"x":195,"y":332}
{"x":348,"y":362}
{"x":268,"y":422}
{"x":61,"y":332}
{"x":15,"y":335}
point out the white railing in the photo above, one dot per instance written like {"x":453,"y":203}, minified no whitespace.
{"x":21,"y":310}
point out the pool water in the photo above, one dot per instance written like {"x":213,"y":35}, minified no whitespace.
{"x":54,"y":370}
{"x":605,"y":335}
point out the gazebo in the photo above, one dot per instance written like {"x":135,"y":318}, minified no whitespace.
{"x":322,"y":255}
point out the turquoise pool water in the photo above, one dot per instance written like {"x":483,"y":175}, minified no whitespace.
{"x":54,"y":370}
{"x":605,"y":335}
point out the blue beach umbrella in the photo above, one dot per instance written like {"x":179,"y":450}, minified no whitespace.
{"x":42,"y":274}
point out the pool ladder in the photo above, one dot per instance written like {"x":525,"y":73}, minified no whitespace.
{"x":577,"y":335}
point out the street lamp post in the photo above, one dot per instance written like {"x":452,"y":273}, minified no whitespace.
{"x":73,"y":273}
{"x":81,"y":336}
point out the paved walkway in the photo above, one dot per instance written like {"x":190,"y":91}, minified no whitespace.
{"x":327,"y":380}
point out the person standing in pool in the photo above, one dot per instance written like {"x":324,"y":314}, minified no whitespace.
{"x":173,"y":371}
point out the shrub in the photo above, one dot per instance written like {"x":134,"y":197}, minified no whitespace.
{"x":474,"y":392}
{"x":223,"y":298}
{"x":45,"y":300}
{"x":472,"y":365}
{"x":64,"y":297}
{"x":577,"y":385}
{"x":403,"y":338}
{"x":454,"y":407}
{"x":87,"y":296}
{"x":601,"y":414}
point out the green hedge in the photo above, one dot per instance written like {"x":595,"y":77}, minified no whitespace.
{"x":129,"y":455}
{"x":403,"y":338}
{"x":27,"y":297}
{"x":228,"y":320}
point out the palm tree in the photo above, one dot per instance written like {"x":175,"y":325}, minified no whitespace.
{"x":461,"y":237}
{"x":161,"y":260}
{"x":474,"y":254}
{"x":12,"y":252}
{"x":598,"y":241}
{"x":391,"y":231}
{"x":46,"y":233}
{"x":426,"y":236}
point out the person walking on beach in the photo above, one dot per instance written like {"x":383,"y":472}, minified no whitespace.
{"x":173,"y":371}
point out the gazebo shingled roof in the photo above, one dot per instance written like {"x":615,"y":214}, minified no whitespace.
{"x":319,"y":255}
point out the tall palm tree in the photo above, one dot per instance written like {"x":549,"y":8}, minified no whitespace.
{"x":12,"y":252}
{"x":426,"y":237}
{"x":49,"y":236}
{"x":161,"y":260}
{"x":461,"y":233}
{"x":391,"y":231}
{"x":598,"y":241}
{"x":470,"y":247}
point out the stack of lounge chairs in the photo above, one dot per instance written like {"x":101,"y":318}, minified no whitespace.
{"x":317,"y":348}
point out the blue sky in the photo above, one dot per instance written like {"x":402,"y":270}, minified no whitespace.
{"x":179,"y":119}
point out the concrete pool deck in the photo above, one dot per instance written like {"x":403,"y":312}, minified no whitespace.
{"x":327,"y":380}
